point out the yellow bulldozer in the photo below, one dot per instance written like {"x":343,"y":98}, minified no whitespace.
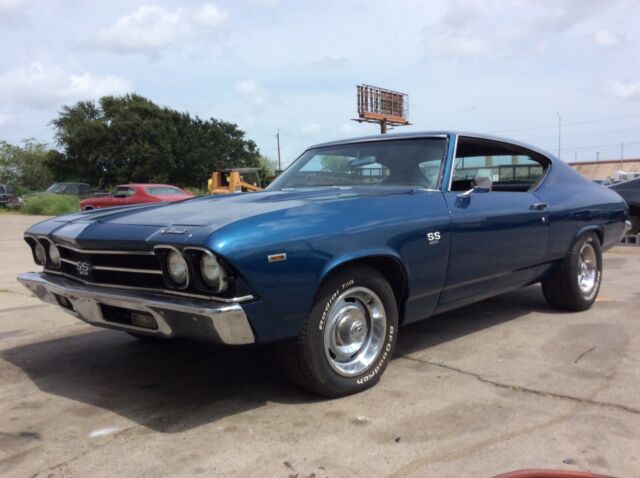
{"x":234,"y":180}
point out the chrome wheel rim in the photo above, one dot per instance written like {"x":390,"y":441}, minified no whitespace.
{"x":587,"y":269}
{"x":355,"y":330}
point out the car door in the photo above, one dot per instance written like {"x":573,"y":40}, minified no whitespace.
{"x":134,"y":196}
{"x":499,"y":237}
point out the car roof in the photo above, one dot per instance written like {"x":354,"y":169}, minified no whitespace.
{"x":431,"y":134}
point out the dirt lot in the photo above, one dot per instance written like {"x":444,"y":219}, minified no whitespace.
{"x":502,"y":385}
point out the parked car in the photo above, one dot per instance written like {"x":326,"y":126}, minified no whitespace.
{"x":128,"y":194}
{"x":630,"y":192}
{"x":76,"y":189}
{"x":8,"y":197}
{"x":354,"y":239}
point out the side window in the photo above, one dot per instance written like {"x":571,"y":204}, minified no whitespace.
{"x":71,"y":189}
{"x":1,"y":189}
{"x":10,"y":190}
{"x":510,"y":167}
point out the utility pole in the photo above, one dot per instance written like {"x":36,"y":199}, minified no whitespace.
{"x":559,"y":131}
{"x":621,"y":155}
{"x":279,"y":161}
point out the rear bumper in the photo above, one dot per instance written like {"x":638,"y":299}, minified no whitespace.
{"x":174,"y":317}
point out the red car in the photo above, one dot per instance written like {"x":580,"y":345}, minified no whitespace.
{"x":127,"y":194}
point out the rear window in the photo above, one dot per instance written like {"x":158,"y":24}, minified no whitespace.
{"x":164,"y":191}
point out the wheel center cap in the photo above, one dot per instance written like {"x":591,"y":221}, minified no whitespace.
{"x":352,"y":327}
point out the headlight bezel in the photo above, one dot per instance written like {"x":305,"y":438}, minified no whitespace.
{"x":180,"y":277}
{"x":40,"y":254}
{"x":53,"y":262}
{"x":220,"y":283}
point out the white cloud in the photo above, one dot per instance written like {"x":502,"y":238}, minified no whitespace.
{"x":605,"y":38}
{"x":40,"y":85}
{"x":621,"y":89}
{"x":4,"y":119}
{"x":311,"y":129}
{"x":482,"y":28}
{"x":6,"y":5}
{"x":152,"y":28}
{"x":331,"y":62}
{"x":208,"y":15}
{"x":348,"y":128}
{"x":252,"y":91}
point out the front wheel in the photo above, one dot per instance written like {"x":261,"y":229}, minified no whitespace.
{"x":576,"y":282}
{"x":349,"y":336}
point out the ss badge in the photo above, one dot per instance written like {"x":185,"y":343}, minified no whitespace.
{"x":433,"y":237}
{"x":83,"y":268}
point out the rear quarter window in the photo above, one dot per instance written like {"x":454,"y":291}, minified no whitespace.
{"x":164,"y":191}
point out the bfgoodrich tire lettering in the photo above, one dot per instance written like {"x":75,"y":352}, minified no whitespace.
{"x":348,"y":337}
{"x":576,"y":282}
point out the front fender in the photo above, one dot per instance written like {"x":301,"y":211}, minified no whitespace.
{"x":354,"y":256}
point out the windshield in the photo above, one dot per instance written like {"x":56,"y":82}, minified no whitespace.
{"x":55,"y":188}
{"x":410,"y":162}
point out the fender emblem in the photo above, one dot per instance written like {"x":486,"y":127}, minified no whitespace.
{"x":173,"y":230}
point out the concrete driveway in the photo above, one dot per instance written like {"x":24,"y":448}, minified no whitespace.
{"x":504,"y":384}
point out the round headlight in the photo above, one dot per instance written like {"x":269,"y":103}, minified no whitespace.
{"x":177,"y":268}
{"x":54,"y":256}
{"x":41,"y":255}
{"x":212,"y":273}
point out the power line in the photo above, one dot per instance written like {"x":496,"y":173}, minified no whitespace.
{"x":601,"y":146}
{"x":568,"y":124}
{"x":549,"y":138}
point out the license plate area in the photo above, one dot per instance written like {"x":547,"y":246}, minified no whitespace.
{"x":123,"y":316}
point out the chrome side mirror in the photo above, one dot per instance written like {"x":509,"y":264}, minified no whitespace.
{"x":482,"y":184}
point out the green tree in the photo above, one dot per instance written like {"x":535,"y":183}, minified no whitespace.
{"x":131,"y":139}
{"x":26,"y":166}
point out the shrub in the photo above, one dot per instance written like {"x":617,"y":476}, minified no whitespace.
{"x":50,"y":204}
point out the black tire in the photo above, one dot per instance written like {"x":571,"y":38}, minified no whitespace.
{"x":305,"y":358}
{"x":562,"y":289}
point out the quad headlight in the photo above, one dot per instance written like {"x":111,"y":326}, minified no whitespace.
{"x":40,"y":254}
{"x":54,"y":256}
{"x":212,"y":273}
{"x":177,"y":268}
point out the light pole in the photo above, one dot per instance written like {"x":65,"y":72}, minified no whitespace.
{"x":559,"y":131}
{"x":279,"y":163}
{"x":598,"y":156}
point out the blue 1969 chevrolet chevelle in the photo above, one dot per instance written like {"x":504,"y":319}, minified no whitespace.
{"x":354,"y":239}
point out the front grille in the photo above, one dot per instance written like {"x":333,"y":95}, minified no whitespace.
{"x":118,"y":268}
{"x":137,"y":269}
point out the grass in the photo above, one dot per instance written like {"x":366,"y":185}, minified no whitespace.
{"x":50,"y":205}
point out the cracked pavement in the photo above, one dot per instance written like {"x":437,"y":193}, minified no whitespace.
{"x":501,"y":385}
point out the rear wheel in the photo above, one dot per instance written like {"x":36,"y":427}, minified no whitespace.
{"x":576,"y":282}
{"x":349,"y":336}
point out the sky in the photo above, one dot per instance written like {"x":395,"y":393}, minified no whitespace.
{"x":505,"y":67}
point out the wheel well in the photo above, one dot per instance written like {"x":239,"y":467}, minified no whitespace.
{"x":392,"y":271}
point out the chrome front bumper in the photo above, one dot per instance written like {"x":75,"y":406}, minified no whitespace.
{"x":174,"y":317}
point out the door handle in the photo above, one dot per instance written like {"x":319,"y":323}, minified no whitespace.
{"x":539,"y":206}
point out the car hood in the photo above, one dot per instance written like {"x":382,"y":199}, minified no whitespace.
{"x":221,"y":210}
{"x":199,"y":217}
